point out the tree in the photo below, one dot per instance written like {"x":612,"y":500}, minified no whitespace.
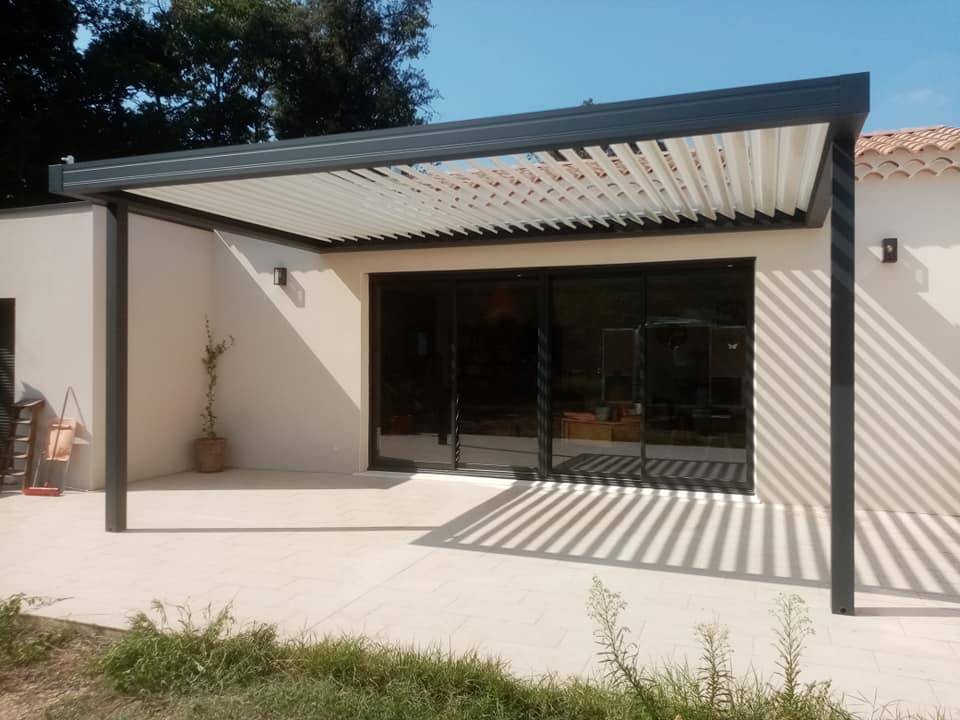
{"x":227,"y":55}
{"x":39,"y":93}
{"x":173,"y":74}
{"x":350,"y":67}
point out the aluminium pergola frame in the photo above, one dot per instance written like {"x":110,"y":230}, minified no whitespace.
{"x":841,"y":101}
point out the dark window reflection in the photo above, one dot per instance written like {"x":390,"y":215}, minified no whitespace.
{"x":415,"y":326}
{"x":597,"y":374}
{"x":649,"y":373}
{"x":697,"y":369}
{"x":497,"y":378}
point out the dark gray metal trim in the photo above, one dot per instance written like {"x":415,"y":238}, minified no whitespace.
{"x":842,"y":277}
{"x":842,"y":101}
{"x":544,"y":377}
{"x":170,"y":212}
{"x":820,"y":195}
{"x":741,"y":223}
{"x":116,"y":366}
{"x":51,"y":207}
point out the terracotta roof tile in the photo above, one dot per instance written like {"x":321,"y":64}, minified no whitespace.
{"x":913,"y":140}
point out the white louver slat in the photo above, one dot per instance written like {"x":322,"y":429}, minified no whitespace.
{"x":709,"y":178}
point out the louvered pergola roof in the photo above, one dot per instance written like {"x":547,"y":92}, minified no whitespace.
{"x":742,"y":158}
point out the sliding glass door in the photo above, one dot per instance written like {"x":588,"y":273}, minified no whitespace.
{"x":496,"y":368}
{"x":638,"y":374}
{"x":698,"y":370}
{"x":414,"y":374}
{"x":596,"y":332}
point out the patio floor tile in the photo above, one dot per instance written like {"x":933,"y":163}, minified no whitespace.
{"x":503,"y":568}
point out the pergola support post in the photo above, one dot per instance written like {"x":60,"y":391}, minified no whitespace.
{"x":842,"y":501}
{"x":116,"y":366}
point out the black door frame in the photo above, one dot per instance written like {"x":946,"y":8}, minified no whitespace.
{"x":8,"y":341}
{"x":544,"y":470}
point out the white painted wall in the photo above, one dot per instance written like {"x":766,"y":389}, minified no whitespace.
{"x":290,"y":396}
{"x":295,"y":391}
{"x":171,"y":284}
{"x":47,"y":260}
{"x":312,"y":413}
{"x":908,"y":343}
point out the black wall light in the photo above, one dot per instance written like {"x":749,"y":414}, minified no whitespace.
{"x":279,"y":276}
{"x":889,"y":250}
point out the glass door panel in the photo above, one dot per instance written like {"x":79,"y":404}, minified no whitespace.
{"x":649,"y":375}
{"x":415,"y":359}
{"x":697,"y":371}
{"x":496,"y":374}
{"x":597,"y":375}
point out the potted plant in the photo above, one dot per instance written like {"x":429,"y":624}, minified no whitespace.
{"x":211,"y":450}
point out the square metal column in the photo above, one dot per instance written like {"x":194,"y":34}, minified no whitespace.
{"x":116,"y":367}
{"x":842,"y":501}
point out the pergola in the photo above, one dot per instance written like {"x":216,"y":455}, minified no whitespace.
{"x":759,"y":157}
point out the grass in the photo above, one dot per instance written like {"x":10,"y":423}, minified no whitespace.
{"x":21,"y":641}
{"x":206,"y":667}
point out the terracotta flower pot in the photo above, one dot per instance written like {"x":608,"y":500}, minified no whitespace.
{"x":211,"y":454}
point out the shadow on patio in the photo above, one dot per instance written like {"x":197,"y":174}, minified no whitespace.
{"x":896,"y":552}
{"x":236,"y":479}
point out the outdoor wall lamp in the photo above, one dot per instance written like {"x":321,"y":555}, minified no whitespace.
{"x":279,"y":276}
{"x":889,"y":250}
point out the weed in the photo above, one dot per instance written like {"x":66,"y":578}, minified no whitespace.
{"x":711,"y":691}
{"x":21,"y":641}
{"x":151,"y":658}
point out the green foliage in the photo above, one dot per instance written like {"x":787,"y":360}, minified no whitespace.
{"x":358,"y":73}
{"x":715,"y":679}
{"x":22,"y":642}
{"x":792,"y":628}
{"x":40,"y":79}
{"x":211,"y":359}
{"x":213,"y":670}
{"x":157,"y":75}
{"x":617,"y":653}
{"x":152,"y":657}
{"x":711,"y":691}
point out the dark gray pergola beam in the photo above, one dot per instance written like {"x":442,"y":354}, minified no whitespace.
{"x":117,"y":256}
{"x":842,"y":314}
{"x":841,"y":100}
{"x":170,"y":212}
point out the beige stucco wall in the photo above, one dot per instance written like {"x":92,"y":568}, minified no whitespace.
{"x":313,"y":414}
{"x":171,"y":283}
{"x":908,"y":343}
{"x":290,"y":388}
{"x":295,"y":390}
{"x":47,"y":259}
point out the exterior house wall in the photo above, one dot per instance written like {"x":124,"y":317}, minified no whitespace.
{"x":295,"y":393}
{"x":47,"y":260}
{"x":908,"y":337}
{"x":290,"y":395}
{"x":313,"y":414}
{"x":170,"y":292}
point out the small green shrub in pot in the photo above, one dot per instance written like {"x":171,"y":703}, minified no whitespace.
{"x":211,"y":450}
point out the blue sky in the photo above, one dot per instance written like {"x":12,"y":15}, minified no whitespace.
{"x":490,"y":57}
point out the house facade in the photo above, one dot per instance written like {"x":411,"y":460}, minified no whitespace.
{"x":586,"y":343}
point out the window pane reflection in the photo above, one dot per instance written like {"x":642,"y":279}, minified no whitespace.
{"x":597,"y":375}
{"x":414,"y":422}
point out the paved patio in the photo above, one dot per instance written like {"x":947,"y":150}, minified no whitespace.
{"x":502,"y":567}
